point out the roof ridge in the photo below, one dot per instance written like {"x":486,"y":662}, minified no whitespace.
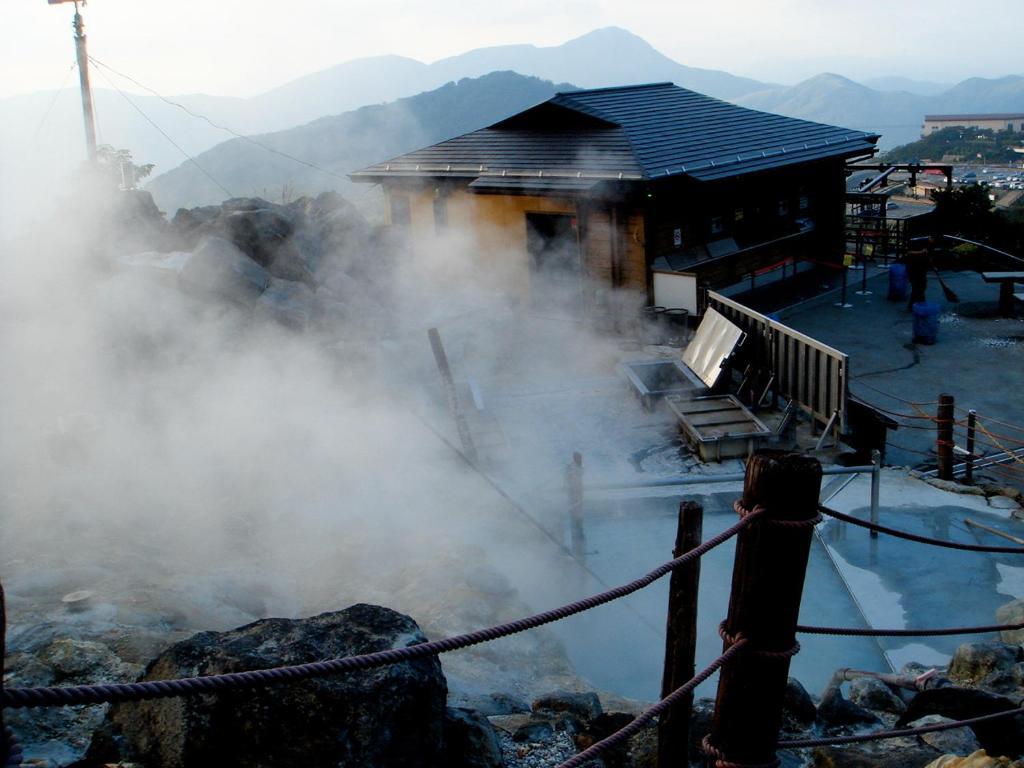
{"x":637,"y":86}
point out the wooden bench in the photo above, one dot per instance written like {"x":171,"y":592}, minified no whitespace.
{"x":1006,"y":282}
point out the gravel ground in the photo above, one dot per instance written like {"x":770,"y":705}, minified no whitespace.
{"x":546,"y":754}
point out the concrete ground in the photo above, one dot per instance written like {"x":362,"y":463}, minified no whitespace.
{"x":978,"y":358}
{"x":853,"y":580}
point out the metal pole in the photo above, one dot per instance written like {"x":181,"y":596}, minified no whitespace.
{"x":876,"y":481}
{"x":944,"y":437}
{"x":843,"y":304}
{"x":972,"y":416}
{"x":574,"y":477}
{"x":468,"y":448}
{"x":681,"y":640}
{"x":83,"y":79}
{"x":767,"y":584}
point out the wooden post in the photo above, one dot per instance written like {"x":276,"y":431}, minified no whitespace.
{"x":681,"y":640}
{"x":767,"y":583}
{"x":972,"y":417}
{"x":574,"y":479}
{"x":944,"y":437}
{"x":468,"y":448}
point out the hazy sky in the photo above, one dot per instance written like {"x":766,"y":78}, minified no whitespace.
{"x":231,"y":47}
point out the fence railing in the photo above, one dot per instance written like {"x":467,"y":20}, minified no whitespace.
{"x":797,"y":367}
{"x":777,"y":513}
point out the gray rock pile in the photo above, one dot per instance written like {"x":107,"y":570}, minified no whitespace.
{"x":314,"y":260}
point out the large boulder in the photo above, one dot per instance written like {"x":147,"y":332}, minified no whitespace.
{"x":389,"y":716}
{"x":973,"y":662}
{"x":290,"y":302}
{"x":1004,"y":736}
{"x":958,"y":741}
{"x":1011,"y":613}
{"x":470,"y":741}
{"x":61,"y":735}
{"x":873,"y":694}
{"x":217,"y":266}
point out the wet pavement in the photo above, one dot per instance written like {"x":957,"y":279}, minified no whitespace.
{"x":978,"y":358}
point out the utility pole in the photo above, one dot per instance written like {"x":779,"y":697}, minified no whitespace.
{"x":83,"y":78}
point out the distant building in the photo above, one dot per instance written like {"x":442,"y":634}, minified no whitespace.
{"x":994,"y":122}
{"x":602,"y":190}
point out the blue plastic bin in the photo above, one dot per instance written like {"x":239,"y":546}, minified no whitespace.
{"x":897,"y":282}
{"x":926,"y":322}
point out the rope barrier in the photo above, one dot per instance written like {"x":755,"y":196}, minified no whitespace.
{"x":892,"y":396}
{"x":1015,"y":427}
{"x":637,"y":724}
{"x":157,"y":689}
{"x":880,"y":735}
{"x":920,"y":539}
{"x":992,"y":437}
{"x":719,"y":757}
{"x":855,"y":632}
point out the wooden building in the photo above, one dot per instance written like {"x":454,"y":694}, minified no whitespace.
{"x":649,"y":188}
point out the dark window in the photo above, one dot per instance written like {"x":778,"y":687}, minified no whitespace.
{"x":440,"y":214}
{"x":400,"y":216}
{"x":717,"y":225}
{"x":783,"y":208}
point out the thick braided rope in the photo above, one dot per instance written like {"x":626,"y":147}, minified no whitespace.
{"x":742,"y":511}
{"x":721,"y":762}
{"x":880,"y":735}
{"x":920,"y":539}
{"x":157,"y":689}
{"x":855,"y":632}
{"x":732,"y":639}
{"x":638,"y":723}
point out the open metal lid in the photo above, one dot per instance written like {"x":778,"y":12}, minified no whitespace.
{"x":711,"y":346}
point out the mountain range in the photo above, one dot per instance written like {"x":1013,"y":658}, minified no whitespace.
{"x":41,"y":134}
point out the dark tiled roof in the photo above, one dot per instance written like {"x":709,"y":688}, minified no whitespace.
{"x":638,"y":132}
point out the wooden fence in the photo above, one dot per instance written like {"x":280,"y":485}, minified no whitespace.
{"x":800,"y":368}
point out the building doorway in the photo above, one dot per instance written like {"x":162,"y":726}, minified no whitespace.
{"x":552,"y":241}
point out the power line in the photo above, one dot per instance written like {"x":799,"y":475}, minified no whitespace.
{"x":53,"y":101}
{"x":224,"y":128}
{"x":163,"y":133}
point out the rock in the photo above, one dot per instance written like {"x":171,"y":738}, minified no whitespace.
{"x":700,"y":726}
{"x":1003,"y":502}
{"x":470,"y":740}
{"x":392,"y":715}
{"x":836,"y":710}
{"x":873,"y":756}
{"x":1000,"y":737}
{"x":797,"y":706}
{"x":264,"y":235}
{"x":873,"y":694}
{"x":62,"y":735}
{"x":217,"y":266}
{"x":288,"y":301}
{"x":960,"y":741}
{"x":489,"y":704}
{"x":1011,"y":613}
{"x":586,"y":706}
{"x":640,"y":750}
{"x":974,"y":661}
{"x":978,"y":759}
{"x":534,"y":730}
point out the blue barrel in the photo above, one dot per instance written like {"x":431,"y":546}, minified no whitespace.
{"x":897,"y":282}
{"x":926,"y":322}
